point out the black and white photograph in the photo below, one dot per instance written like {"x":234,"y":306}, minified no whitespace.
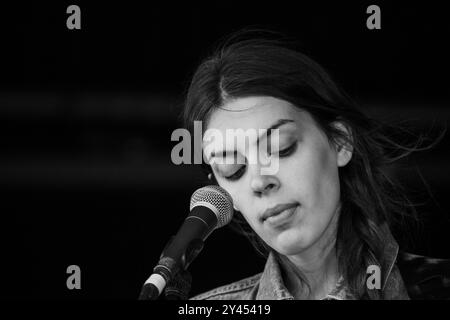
{"x":228,"y":150}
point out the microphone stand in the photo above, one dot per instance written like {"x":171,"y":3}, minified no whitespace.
{"x":177,"y":289}
{"x":178,"y":278}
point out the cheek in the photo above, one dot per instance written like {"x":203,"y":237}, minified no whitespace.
{"x":314,"y":174}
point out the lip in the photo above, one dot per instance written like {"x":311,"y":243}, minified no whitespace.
{"x":278,"y":209}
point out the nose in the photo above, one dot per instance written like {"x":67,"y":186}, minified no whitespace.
{"x":264,"y":184}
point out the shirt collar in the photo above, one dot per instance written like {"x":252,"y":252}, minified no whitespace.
{"x":391,"y":252}
{"x":271,"y":285}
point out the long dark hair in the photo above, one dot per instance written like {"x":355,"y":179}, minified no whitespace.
{"x":267,"y":65}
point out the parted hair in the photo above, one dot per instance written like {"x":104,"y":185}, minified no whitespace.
{"x":255,"y":63}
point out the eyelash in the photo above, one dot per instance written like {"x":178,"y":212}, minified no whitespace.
{"x":282,"y":154}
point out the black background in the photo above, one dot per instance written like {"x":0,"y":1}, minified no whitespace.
{"x":86,"y":118}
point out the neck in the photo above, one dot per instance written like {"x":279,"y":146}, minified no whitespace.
{"x":318,"y":265}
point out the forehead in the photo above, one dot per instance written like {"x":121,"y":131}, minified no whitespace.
{"x":251,"y":113}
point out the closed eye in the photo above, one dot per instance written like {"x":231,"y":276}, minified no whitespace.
{"x":288,"y":151}
{"x":235,"y":176}
{"x":282,"y":153}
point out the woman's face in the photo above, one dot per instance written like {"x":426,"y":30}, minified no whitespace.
{"x":292,"y":208}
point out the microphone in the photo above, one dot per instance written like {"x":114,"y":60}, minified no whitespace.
{"x":211,"y":208}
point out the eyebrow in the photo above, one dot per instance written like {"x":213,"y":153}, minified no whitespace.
{"x":268,"y":132}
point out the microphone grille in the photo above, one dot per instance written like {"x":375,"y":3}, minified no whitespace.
{"x":219,"y":198}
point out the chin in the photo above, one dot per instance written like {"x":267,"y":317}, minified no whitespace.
{"x":291,"y":242}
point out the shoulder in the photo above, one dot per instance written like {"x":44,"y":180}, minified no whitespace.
{"x":238,"y":290}
{"x":425,"y":277}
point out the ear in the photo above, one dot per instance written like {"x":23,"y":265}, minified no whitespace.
{"x":344,"y":147}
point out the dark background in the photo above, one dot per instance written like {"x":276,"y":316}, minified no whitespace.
{"x":86,"y":118}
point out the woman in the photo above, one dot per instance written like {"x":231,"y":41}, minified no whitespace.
{"x":323,"y":218}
